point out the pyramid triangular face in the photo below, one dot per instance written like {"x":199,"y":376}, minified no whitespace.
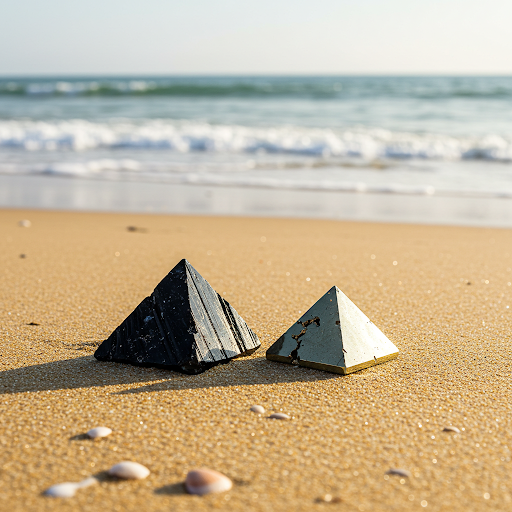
{"x":334,"y":335}
{"x":184,"y":325}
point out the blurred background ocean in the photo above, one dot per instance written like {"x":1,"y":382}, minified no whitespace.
{"x":416,"y":136}
{"x":419,"y":135}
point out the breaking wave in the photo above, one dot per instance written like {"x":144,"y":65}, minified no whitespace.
{"x":189,"y":137}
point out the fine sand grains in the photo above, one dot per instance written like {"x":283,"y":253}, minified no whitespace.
{"x":446,"y":304}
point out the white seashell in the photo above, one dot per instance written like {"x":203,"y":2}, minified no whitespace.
{"x":24,"y":223}
{"x":98,"y":432}
{"x":399,"y":472}
{"x":204,"y":481}
{"x":68,"y":489}
{"x":129,"y":470}
{"x":279,"y":416}
{"x":451,"y":429}
{"x":65,"y":490}
{"x":257,"y":409}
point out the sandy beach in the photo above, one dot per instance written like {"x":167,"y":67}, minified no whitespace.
{"x":441,"y":294}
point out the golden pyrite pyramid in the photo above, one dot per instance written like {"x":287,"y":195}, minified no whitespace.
{"x":335,"y":336}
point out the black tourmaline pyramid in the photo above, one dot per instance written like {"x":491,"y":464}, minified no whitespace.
{"x":184,"y":325}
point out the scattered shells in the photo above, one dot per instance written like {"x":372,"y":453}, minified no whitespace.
{"x":129,"y":470}
{"x":25,"y":224}
{"x":98,"y":432}
{"x":399,"y":472}
{"x":451,"y":429}
{"x":68,"y":489}
{"x":279,"y":416}
{"x":204,"y":481}
{"x":257,"y":409}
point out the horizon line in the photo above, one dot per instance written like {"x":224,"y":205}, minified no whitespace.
{"x":255,"y":75}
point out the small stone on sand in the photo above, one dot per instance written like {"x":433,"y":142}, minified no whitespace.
{"x":129,"y":470}
{"x":134,"y":229}
{"x":98,"y":432}
{"x":279,"y":416}
{"x":328,"y":498}
{"x":399,"y":472}
{"x":257,"y":409}
{"x":24,"y":223}
{"x":204,"y":481}
{"x":451,"y":429}
{"x":68,"y":489}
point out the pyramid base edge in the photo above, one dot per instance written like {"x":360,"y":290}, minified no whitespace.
{"x":341,"y":370}
{"x":248,"y":352}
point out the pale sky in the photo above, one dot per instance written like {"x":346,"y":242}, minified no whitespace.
{"x":258,"y":37}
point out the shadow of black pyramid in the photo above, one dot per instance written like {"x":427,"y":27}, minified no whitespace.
{"x":183,"y":325}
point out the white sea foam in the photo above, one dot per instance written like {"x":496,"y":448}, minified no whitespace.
{"x":185,"y":137}
{"x":64,"y":87}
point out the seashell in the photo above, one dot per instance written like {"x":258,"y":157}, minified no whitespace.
{"x":98,"y":432}
{"x":24,"y":223}
{"x":204,"y":481}
{"x":451,"y":429}
{"x":257,"y":409}
{"x":399,"y":472}
{"x":279,"y":416}
{"x":68,"y":489}
{"x":65,"y":490}
{"x":129,"y":470}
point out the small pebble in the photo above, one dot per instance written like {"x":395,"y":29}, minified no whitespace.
{"x":279,"y":416}
{"x":204,"y":481}
{"x":257,"y":409}
{"x":328,"y":498}
{"x":25,"y":224}
{"x":129,"y":470}
{"x":451,"y":429}
{"x":98,"y":432}
{"x":68,"y":489}
{"x":399,"y":472}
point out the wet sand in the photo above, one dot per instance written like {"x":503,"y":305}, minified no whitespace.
{"x":81,"y":194}
{"x":444,"y":304}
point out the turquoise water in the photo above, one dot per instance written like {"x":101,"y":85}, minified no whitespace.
{"x":412,"y":135}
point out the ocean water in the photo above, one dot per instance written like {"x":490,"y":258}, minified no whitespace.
{"x":449,"y":136}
